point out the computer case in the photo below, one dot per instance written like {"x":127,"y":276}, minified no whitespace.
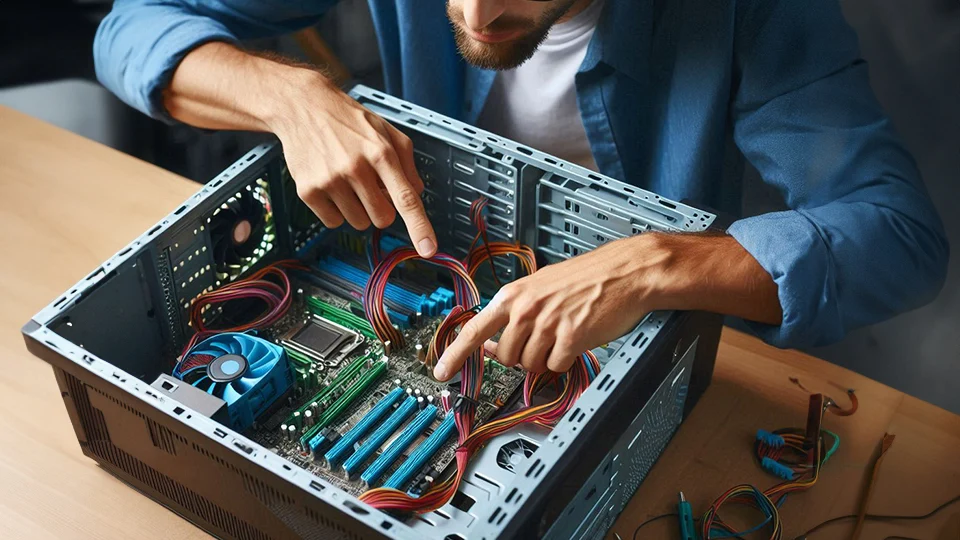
{"x":110,"y":336}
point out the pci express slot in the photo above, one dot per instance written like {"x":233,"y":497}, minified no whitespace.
{"x":345,"y":375}
{"x":380,"y":436}
{"x":344,"y":401}
{"x":423,"y":453}
{"x":353,"y":436}
{"x":399,"y":445}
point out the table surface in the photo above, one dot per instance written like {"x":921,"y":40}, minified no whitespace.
{"x":69,"y":203}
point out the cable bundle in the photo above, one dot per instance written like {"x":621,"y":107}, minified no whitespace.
{"x":275,"y":293}
{"x":809,"y":452}
{"x":465,"y":291}
{"x":480,"y":253}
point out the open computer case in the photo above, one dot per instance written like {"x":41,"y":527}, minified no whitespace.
{"x":112,"y":337}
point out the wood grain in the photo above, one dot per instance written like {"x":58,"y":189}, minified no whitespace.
{"x":69,"y":203}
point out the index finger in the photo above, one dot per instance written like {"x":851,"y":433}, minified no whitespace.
{"x":407,"y":201}
{"x":471,"y":337}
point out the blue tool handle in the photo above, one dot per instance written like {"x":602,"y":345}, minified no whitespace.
{"x":685,"y":513}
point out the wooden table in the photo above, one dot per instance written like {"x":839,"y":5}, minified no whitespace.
{"x":69,"y":203}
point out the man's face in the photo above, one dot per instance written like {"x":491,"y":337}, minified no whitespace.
{"x":502,"y":34}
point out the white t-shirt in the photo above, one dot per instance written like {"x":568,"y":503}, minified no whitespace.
{"x":536,"y":103}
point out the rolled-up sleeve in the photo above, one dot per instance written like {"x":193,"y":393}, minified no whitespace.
{"x":862,"y":241}
{"x":141,"y":42}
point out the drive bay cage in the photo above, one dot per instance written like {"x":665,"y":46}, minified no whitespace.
{"x":225,"y":464}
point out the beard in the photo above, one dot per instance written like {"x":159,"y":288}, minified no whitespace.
{"x":508,"y":54}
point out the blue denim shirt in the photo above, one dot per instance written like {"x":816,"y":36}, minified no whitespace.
{"x":673,"y":96}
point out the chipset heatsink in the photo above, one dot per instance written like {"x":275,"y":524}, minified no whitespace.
{"x":322,"y":340}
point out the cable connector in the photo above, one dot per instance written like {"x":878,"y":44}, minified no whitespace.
{"x":770,"y":439}
{"x":777,"y":469}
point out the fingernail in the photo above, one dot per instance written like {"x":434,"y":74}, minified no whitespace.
{"x":426,"y":247}
{"x":440,"y":372}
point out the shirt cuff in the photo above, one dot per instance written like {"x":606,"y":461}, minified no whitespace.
{"x":790,"y":247}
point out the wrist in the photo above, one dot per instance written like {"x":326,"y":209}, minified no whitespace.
{"x":292,"y":90}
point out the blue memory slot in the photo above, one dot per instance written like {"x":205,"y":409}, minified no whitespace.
{"x":399,"y":445}
{"x":413,"y":302}
{"x":345,"y":444}
{"x":423,"y":453}
{"x":380,"y":436}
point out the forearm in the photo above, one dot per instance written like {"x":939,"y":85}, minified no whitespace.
{"x":709,"y":272}
{"x":218,"y":86}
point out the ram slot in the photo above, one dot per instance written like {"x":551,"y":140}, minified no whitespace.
{"x":351,"y":437}
{"x":345,"y":375}
{"x":423,"y":453}
{"x":348,"y":397}
{"x":399,"y":445}
{"x":380,"y":436}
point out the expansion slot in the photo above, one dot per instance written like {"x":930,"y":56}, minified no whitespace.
{"x":353,"y":436}
{"x":340,"y":316}
{"x":399,"y":445}
{"x":423,"y":453}
{"x":344,"y":401}
{"x":380,"y":436}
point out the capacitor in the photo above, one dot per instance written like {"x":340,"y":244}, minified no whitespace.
{"x":308,"y":417}
{"x":385,"y":360}
{"x":292,"y":432}
{"x":429,"y":400}
{"x":421,"y":403}
{"x":419,"y":317}
{"x":409,"y":391}
{"x":387,"y":346}
{"x":396,"y":382}
{"x":297,"y":421}
{"x":421,"y":352}
{"x":417,"y":392}
{"x":315,"y":407}
{"x":369,"y":363}
{"x":283,"y":431}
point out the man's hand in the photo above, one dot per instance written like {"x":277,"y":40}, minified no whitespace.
{"x":551,"y":317}
{"x":349,"y":164}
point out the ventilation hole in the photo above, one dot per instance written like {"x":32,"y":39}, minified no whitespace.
{"x":413,"y":122}
{"x":576,"y":208}
{"x":124,"y":252}
{"x":533,"y":468}
{"x":594,"y":177}
{"x":606,"y":383}
{"x":567,"y":204}
{"x":525,"y":150}
{"x":606,"y":468}
{"x":636,"y":339}
{"x":462,"y":502}
{"x":494,"y":515}
{"x":550,"y":161}
{"x":591,"y":493}
{"x":219,"y":433}
{"x":60,"y":301}
{"x":470,"y":131}
{"x":405,"y":106}
{"x":566,"y":226}
{"x":153,"y":230}
{"x":316,"y":485}
{"x":602,"y":216}
{"x":356,"y":509}
{"x":576,"y":229}
{"x":385,"y":525}
{"x":178,"y":410}
{"x":629,"y":190}
{"x":251,"y":158}
{"x":511,"y":495}
{"x":180,"y":210}
{"x":166,"y":385}
{"x":378,"y":96}
{"x":502,"y":517}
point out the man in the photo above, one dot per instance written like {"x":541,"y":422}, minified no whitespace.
{"x":669,"y":96}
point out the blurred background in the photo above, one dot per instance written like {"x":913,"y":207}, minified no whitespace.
{"x":913,"y":50}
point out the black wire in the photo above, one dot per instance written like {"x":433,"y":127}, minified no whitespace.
{"x":880,"y":517}
{"x":651,"y":520}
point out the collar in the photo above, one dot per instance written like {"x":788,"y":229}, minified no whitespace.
{"x":622,"y":38}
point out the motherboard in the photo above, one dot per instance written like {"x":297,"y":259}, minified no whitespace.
{"x":353,"y":399}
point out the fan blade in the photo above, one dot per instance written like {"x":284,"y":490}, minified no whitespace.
{"x":230,"y":395}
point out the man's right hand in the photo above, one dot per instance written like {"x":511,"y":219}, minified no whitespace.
{"x":348,"y":163}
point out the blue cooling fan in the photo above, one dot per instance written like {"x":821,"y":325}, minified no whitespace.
{"x":247,"y":372}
